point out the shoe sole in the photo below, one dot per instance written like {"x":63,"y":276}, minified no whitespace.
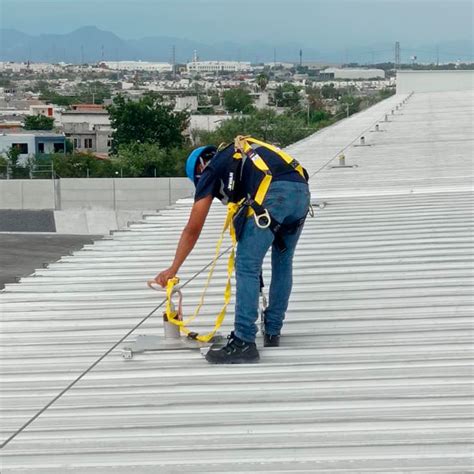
{"x":236,"y":361}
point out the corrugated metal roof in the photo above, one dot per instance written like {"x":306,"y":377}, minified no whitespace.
{"x":374,"y":373}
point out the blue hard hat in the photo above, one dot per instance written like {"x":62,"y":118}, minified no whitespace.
{"x":204,"y":151}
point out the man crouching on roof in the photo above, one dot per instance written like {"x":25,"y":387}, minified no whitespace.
{"x":275,"y":194}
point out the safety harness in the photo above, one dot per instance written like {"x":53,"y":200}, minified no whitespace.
{"x":243,"y":207}
{"x":245,"y":148}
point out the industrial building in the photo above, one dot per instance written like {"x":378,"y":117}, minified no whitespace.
{"x":137,"y":66}
{"x":353,"y":74}
{"x":200,"y":67}
{"x":374,"y":373}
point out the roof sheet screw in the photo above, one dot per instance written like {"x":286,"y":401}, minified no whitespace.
{"x":377,"y":127}
{"x":386,"y":118}
{"x":342,"y":160}
{"x":393,"y":112}
{"x":362,"y":140}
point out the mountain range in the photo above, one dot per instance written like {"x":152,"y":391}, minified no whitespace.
{"x":89,"y":44}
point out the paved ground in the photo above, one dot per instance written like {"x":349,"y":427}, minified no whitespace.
{"x":22,"y":253}
{"x":26,"y":220}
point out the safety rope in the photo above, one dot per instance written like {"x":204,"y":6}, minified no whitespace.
{"x":173,"y":316}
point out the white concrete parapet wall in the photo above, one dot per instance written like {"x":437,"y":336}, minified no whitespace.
{"x":434,"y":81}
{"x":94,"y":205}
{"x":26,"y":194}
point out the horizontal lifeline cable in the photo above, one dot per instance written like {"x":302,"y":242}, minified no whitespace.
{"x":102,"y":357}
{"x":350,"y":143}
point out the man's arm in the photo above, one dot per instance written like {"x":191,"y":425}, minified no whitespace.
{"x":188,"y":239}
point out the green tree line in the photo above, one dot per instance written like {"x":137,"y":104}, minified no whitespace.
{"x":148,"y":137}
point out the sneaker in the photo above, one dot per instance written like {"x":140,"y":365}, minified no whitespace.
{"x":235,"y":351}
{"x":271,"y":341}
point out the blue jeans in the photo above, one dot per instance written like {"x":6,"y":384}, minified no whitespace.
{"x":287,"y":202}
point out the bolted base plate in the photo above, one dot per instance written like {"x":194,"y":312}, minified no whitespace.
{"x":159,"y":343}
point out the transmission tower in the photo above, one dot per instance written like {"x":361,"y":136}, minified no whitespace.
{"x":174,"y":61}
{"x":397,"y":55}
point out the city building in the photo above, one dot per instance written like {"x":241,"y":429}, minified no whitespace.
{"x":281,"y":65}
{"x":32,"y":142}
{"x":209,"y":123}
{"x":7,"y":66}
{"x":42,"y":109}
{"x":359,"y":73}
{"x":260,"y":99}
{"x":218,"y":66}
{"x":88,"y":128}
{"x":189,"y":102}
{"x":137,"y":66}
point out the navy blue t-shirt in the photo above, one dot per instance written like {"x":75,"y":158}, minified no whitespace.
{"x":215,"y":178}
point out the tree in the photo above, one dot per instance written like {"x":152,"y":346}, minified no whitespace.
{"x":215,"y":99}
{"x":38,"y":122}
{"x":148,"y":159}
{"x":13,"y":157}
{"x":93,"y":92}
{"x":238,"y":100}
{"x":3,"y":167}
{"x":329,"y":91}
{"x":287,"y":95}
{"x":386,"y":92}
{"x":147,"y":120}
{"x":52,"y":97}
{"x":349,"y":105}
{"x":262,"y":81}
{"x":264,"y":124}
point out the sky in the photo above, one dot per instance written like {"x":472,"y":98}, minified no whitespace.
{"x":341,"y":23}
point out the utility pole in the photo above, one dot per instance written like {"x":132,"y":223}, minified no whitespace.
{"x":274,"y":57}
{"x":437,"y":55}
{"x":301,"y":58}
{"x":82,"y":54}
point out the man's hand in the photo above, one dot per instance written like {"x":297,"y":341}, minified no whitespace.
{"x":163,"y":277}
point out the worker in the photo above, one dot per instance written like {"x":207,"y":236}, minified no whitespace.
{"x":230,"y":174}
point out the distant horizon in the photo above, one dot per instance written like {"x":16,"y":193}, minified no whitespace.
{"x":94,"y":44}
{"x":310,"y":23}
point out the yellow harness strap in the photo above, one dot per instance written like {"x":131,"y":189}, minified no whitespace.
{"x":232,"y":208}
{"x":242,"y":144}
{"x":283,"y":155}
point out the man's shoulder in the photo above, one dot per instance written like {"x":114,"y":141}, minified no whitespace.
{"x":223,"y":157}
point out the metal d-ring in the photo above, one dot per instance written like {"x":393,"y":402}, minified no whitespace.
{"x":267,"y":220}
